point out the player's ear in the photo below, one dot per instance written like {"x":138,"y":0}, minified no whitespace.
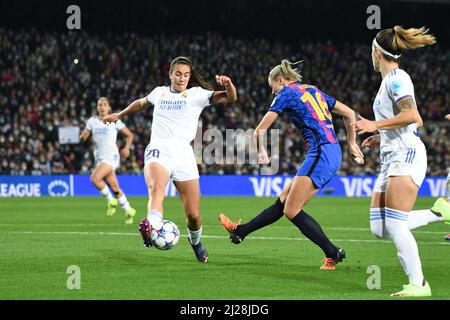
{"x":280,"y":80}
{"x":377,"y":53}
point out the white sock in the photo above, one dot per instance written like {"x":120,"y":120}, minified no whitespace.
{"x":106,"y":193}
{"x":154,"y":217}
{"x":407,"y":250}
{"x":418,"y":218}
{"x":378,"y":223}
{"x":194,"y":236}
{"x":124,"y":202}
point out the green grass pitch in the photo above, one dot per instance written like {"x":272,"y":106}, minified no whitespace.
{"x":42,"y":237}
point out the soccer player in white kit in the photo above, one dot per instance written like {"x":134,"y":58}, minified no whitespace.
{"x":107,"y":158}
{"x":169,"y":154}
{"x":403,"y":155}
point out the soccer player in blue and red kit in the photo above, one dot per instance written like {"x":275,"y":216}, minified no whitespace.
{"x":309,"y":109}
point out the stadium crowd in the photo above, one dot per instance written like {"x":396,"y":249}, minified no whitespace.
{"x":41,"y":89}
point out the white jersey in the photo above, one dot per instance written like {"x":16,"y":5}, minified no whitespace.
{"x":105,"y":137}
{"x":175,"y":114}
{"x":394,"y":87}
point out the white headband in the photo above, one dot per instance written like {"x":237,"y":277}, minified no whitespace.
{"x":395,"y":56}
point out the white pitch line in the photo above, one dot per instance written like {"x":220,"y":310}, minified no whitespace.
{"x":208,"y":236}
{"x":350,"y":229}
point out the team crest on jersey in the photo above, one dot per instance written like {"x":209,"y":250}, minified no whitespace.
{"x":396,"y":85}
{"x":184,"y":93}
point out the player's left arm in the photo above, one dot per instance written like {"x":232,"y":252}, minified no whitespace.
{"x":408,"y":114}
{"x":259,"y":134}
{"x":227,"y":96}
{"x":125,"y":152}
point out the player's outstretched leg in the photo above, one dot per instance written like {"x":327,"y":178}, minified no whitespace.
{"x":189,"y":191}
{"x":199,"y":249}
{"x":411,"y":290}
{"x":401,"y":193}
{"x":302,"y":190}
{"x":112,"y":207}
{"x":330,"y":263}
{"x":239,"y":231}
{"x":129,"y":211}
{"x":144,"y":230}
{"x":442,"y":207}
{"x":156,"y":179}
{"x":231,"y":227}
{"x":111,"y":180}
{"x":312,"y":230}
{"x":101,"y":171}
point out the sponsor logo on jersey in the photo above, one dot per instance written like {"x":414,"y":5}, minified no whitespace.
{"x":172,"y":104}
{"x":100,"y":130}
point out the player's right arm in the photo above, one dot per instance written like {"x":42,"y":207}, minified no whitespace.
{"x":260,"y":132}
{"x":87,"y":132}
{"x":372,"y":142}
{"x":349,"y":117}
{"x":136,"y":105}
{"x":85,"y":135}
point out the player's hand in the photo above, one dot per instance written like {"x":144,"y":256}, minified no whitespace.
{"x":447,"y":117}
{"x":223,"y":80}
{"x":113,"y":117}
{"x":125,"y":153}
{"x":363,"y":125}
{"x":356,"y":153}
{"x":263,"y":158}
{"x":372,"y":142}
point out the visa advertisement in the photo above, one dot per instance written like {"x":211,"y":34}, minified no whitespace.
{"x":210,"y":185}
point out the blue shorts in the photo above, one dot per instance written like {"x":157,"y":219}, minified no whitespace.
{"x":321,"y":165}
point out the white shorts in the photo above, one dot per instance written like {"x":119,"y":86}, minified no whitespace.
{"x":113,"y":161}
{"x":404,"y":162}
{"x":177,"y":156}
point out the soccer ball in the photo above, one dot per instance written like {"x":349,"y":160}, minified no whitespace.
{"x":165,"y":235}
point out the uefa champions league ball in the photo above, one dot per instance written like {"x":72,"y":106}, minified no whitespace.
{"x":165,"y":235}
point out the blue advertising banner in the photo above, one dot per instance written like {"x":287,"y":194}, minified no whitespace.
{"x":211,"y":185}
{"x":36,"y":186}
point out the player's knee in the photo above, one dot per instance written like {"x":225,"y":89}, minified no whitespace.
{"x":95,"y":180}
{"x":193,"y":216}
{"x":290,"y":213}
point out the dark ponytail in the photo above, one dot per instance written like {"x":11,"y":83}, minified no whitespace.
{"x":196,"y":79}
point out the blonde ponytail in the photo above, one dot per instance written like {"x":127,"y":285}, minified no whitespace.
{"x":411,"y":38}
{"x":286,"y":70}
